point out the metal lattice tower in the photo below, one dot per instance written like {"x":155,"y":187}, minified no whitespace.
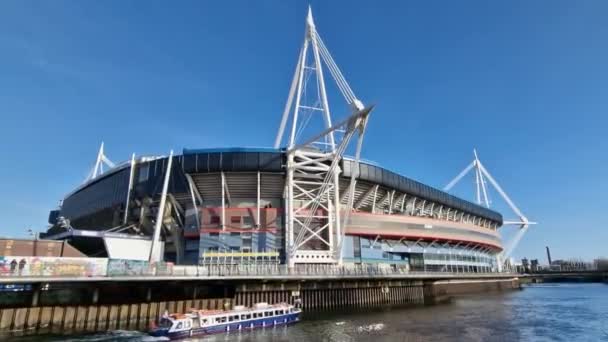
{"x":314,"y":227}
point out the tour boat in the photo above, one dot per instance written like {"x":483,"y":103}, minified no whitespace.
{"x":205,"y":322}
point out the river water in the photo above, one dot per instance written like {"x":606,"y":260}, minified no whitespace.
{"x":548,"y":312}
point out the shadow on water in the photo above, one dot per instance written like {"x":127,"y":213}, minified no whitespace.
{"x":545,"y":312}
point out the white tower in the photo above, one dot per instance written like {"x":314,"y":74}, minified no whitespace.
{"x":314,"y":226}
{"x":480,"y":180}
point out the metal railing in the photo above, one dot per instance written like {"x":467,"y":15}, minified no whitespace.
{"x":142,"y":269}
{"x":371,"y":270}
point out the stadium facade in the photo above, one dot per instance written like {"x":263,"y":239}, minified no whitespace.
{"x":302,"y":202}
{"x":227,"y":206}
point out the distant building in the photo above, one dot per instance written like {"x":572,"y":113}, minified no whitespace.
{"x":534,"y":267}
{"x":571,"y":265}
{"x":600,"y":264}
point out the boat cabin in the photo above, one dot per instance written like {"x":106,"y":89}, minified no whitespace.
{"x":240,"y":317}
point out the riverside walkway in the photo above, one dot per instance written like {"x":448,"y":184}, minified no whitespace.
{"x":255,"y":272}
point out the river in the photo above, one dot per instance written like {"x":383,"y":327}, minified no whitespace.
{"x":548,"y":312}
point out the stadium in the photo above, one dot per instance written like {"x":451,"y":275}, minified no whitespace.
{"x":299,"y":202}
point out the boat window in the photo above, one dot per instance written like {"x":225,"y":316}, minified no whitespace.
{"x":223,"y":319}
{"x":205,"y":321}
{"x":230,"y":318}
{"x":165,"y":323}
{"x":235,"y":318}
{"x":179,"y":325}
{"x":267,"y":314}
{"x":248,"y":316}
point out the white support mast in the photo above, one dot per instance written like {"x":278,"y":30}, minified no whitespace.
{"x":128,"y":199}
{"x":155,"y":251}
{"x":481,"y":173}
{"x":314,"y":228}
{"x":99,"y":163}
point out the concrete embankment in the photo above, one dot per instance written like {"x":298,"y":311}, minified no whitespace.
{"x":88,"y":307}
{"x":437,"y":291}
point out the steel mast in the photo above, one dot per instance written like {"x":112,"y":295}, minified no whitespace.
{"x":481,"y":173}
{"x":99,"y":163}
{"x":314,"y":229}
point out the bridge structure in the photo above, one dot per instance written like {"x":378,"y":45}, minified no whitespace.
{"x":565,"y":276}
{"x":304,"y":220}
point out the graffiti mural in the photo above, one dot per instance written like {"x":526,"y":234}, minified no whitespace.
{"x":52,"y":266}
{"x":123,"y":267}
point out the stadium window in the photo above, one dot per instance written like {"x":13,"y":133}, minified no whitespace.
{"x":215,"y":219}
{"x":235,"y":219}
{"x":248,"y":221}
{"x":235,"y":234}
{"x":144,"y":173}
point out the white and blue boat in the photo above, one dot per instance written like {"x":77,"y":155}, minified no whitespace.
{"x":206,"y":322}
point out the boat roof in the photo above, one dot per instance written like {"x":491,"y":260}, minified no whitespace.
{"x":215,"y":312}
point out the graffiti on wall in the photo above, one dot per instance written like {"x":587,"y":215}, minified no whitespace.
{"x":128,"y":267}
{"x":123,"y":267}
{"x":52,"y":266}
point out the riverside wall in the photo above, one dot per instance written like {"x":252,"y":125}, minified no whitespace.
{"x":83,"y":307}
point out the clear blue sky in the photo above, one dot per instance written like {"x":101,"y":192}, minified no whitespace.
{"x":526,"y":82}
